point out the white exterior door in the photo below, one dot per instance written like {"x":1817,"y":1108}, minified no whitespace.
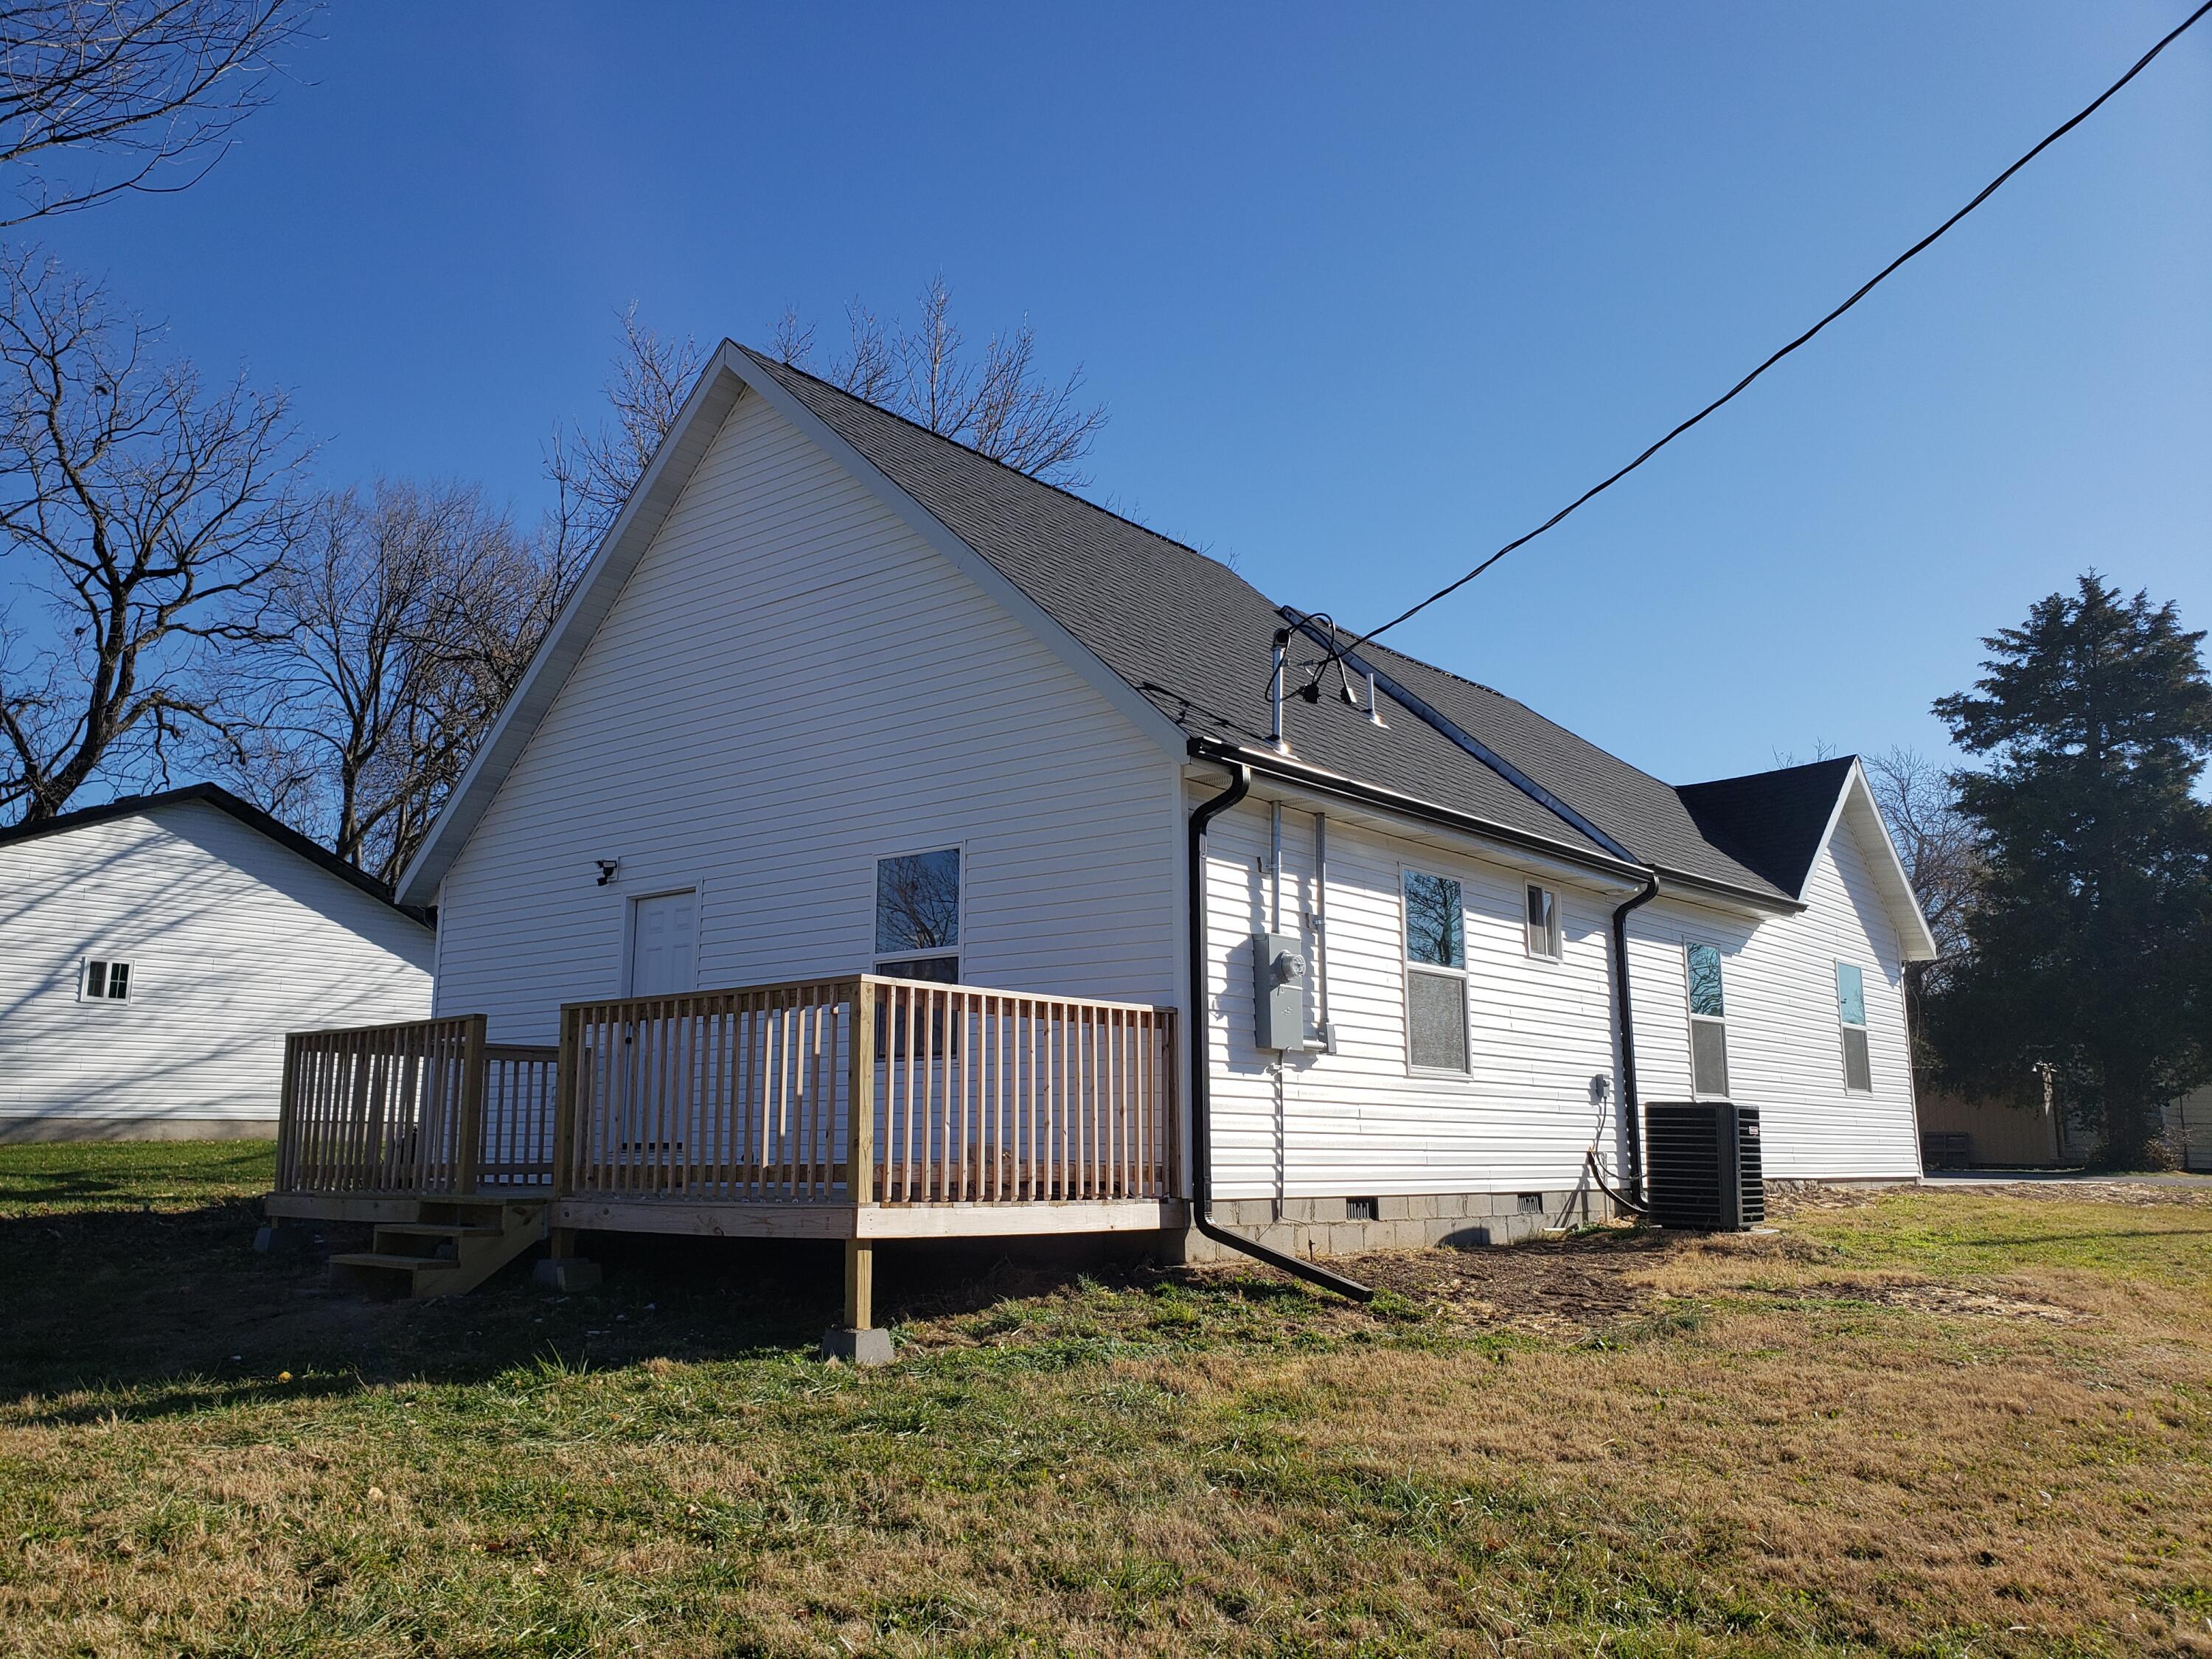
{"x":664,"y":944}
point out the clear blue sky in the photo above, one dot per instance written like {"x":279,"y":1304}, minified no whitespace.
{"x":1367,"y":290}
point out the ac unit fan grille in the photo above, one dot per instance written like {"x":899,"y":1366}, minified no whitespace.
{"x":1704,"y":1166}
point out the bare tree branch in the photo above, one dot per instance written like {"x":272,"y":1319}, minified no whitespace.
{"x":1941,"y":853}
{"x":151,"y":509}
{"x":102,"y":97}
{"x":385,"y":650}
{"x":594,"y":472}
{"x":1002,"y":405}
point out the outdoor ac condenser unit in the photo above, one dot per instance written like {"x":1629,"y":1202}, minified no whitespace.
{"x":1703,"y":1165}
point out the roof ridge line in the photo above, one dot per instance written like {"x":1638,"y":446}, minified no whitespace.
{"x":1533,"y":712}
{"x":1769,"y":772}
{"x":772,"y":364}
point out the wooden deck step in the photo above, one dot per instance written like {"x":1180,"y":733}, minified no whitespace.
{"x":404,"y":1263}
{"x":444,"y":1254}
{"x":437,"y":1229}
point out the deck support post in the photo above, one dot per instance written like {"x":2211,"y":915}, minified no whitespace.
{"x":857,"y":1340}
{"x":859,"y":1283}
{"x":562,"y":1269}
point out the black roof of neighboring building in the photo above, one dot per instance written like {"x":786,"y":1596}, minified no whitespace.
{"x":1193,"y":637}
{"x":214,"y":795}
{"x":1771,"y":822}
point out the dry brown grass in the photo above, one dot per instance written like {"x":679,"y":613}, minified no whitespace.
{"x":1936,"y":1423}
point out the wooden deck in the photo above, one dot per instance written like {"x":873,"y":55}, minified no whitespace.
{"x":743,"y":1113}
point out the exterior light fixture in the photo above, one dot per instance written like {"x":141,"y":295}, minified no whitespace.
{"x":607,"y":868}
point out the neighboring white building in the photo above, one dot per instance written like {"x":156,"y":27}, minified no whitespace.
{"x":155,"y":951}
{"x":839,"y":694}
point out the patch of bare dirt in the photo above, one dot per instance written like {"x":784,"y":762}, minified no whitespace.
{"x":1551,"y":1286}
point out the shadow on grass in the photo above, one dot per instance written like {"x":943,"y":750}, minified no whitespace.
{"x":82,"y":1174}
{"x":135,"y":1314}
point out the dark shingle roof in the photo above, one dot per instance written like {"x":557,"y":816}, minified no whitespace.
{"x":1644,"y":815}
{"x":1771,"y":821}
{"x":1192,"y":637}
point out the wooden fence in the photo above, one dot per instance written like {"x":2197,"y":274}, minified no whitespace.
{"x":424,"y":1107}
{"x":944,"y":1093}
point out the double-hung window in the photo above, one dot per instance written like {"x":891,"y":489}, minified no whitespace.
{"x":1708,"y":1072}
{"x":106,"y":979}
{"x":1436,"y":973}
{"x":918,"y":915}
{"x":1545,"y":936}
{"x":1851,"y":1011}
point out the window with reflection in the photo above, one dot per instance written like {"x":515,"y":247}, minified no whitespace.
{"x":1709,"y":1071}
{"x":1851,"y":1014}
{"x":1436,"y":973}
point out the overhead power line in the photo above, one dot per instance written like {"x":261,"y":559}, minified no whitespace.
{"x":1867,"y":287}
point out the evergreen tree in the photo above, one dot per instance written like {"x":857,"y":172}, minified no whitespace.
{"x":2090,"y":943}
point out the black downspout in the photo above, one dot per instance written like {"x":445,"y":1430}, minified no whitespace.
{"x":1201,"y":1067}
{"x":1632,"y":1111}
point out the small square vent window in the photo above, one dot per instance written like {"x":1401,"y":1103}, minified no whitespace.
{"x":104,"y":980}
{"x":1531,"y":1203}
{"x":1360,"y":1209}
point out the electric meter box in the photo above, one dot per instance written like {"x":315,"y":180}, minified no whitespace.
{"x":1280,"y":973}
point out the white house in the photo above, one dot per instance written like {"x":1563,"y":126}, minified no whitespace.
{"x":839,"y":696}
{"x":155,"y":951}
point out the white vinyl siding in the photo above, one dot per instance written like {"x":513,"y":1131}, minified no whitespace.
{"x":792,"y":685}
{"x":1360,"y":1121}
{"x":1781,"y":1038}
{"x":231,"y":941}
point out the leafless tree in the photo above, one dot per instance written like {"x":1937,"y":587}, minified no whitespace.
{"x":99,"y":97}
{"x":385,"y":649}
{"x":1822,"y":750}
{"x":1000,"y":404}
{"x":144,"y":509}
{"x":593,"y":472}
{"x":1938,"y":845}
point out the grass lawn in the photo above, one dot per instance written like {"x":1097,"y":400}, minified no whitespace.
{"x":1937,"y":1423}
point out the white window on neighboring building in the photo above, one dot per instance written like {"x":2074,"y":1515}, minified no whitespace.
{"x":1545,"y":938}
{"x":1709,"y":1074}
{"x":918,"y":915}
{"x":1436,"y":973}
{"x":1850,"y":1011}
{"x":104,"y":980}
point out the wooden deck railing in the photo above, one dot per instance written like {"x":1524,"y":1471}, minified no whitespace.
{"x":943,"y":1093}
{"x":425,"y":1107}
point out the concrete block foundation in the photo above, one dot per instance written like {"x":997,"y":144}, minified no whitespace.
{"x":1315,"y":1227}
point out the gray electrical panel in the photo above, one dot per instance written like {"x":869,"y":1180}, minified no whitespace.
{"x":1280,"y":973}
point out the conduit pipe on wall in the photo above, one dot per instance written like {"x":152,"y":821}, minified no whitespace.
{"x":1631,"y":1112}
{"x":1200,"y":1042}
{"x":1320,"y":933}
